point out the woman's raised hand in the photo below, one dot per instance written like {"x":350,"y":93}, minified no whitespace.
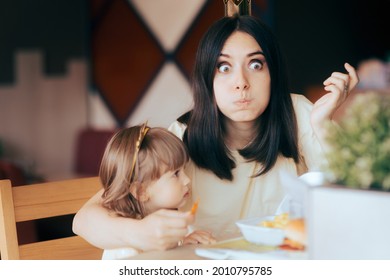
{"x":338,"y":87}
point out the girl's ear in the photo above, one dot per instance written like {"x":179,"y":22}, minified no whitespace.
{"x":139,"y":192}
{"x":143,"y":195}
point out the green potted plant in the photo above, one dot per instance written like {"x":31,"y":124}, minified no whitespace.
{"x":348,"y":218}
{"x":359,"y":155}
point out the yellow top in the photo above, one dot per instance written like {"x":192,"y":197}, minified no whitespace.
{"x":223,"y":202}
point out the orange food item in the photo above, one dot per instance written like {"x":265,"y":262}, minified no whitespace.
{"x":292,"y":245}
{"x":296,"y":237}
{"x":194,"y":207}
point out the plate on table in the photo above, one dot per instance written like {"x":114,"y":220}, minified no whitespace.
{"x":255,"y":232}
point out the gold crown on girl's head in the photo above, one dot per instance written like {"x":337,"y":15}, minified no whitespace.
{"x":241,"y":7}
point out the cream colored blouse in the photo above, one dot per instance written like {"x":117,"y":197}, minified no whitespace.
{"x":223,"y":202}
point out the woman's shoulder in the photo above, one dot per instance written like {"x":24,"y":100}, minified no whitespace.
{"x":302,"y":106}
{"x":299,"y":100}
{"x":178,"y":128}
{"x":309,"y":145}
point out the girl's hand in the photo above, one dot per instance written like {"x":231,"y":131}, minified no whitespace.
{"x":162,"y":229}
{"x":338,"y":86}
{"x":199,"y":237}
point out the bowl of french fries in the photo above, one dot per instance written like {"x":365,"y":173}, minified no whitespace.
{"x":267,"y":230}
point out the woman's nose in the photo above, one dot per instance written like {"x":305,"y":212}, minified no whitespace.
{"x":241,"y":81}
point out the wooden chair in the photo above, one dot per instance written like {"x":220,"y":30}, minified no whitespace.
{"x":37,"y":201}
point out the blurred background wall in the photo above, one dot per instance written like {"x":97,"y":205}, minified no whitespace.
{"x":67,"y":66}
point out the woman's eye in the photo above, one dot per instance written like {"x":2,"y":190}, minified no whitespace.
{"x":223,"y":68}
{"x":256,"y":65}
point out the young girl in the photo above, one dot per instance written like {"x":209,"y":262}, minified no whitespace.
{"x":142,"y":171}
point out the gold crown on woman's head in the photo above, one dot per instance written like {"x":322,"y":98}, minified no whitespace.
{"x":241,"y":7}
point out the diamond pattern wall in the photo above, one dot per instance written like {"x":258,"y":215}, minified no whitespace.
{"x":169,"y":20}
{"x":125,"y":57}
{"x":186,"y":50}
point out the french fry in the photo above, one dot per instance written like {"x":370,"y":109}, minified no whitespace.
{"x":194,"y":207}
{"x":279,"y":221}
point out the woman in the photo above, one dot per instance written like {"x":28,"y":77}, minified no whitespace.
{"x":244,"y":130}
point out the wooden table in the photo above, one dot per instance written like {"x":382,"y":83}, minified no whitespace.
{"x":186,"y":252}
{"x":234,"y":248}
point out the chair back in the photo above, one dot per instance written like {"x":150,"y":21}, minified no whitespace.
{"x":44,"y":200}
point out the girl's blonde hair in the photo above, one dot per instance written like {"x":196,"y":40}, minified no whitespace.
{"x":160,"y":151}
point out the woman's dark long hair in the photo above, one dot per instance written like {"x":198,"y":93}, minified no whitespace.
{"x":277,"y":125}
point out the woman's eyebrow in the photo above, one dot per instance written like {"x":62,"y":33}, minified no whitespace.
{"x":256,"y":53}
{"x":224,"y":55}
{"x":248,"y":55}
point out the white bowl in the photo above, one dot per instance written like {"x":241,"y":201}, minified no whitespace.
{"x":253,"y":232}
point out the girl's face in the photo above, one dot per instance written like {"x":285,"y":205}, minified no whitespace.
{"x":242,"y":80}
{"x":170,"y":191}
